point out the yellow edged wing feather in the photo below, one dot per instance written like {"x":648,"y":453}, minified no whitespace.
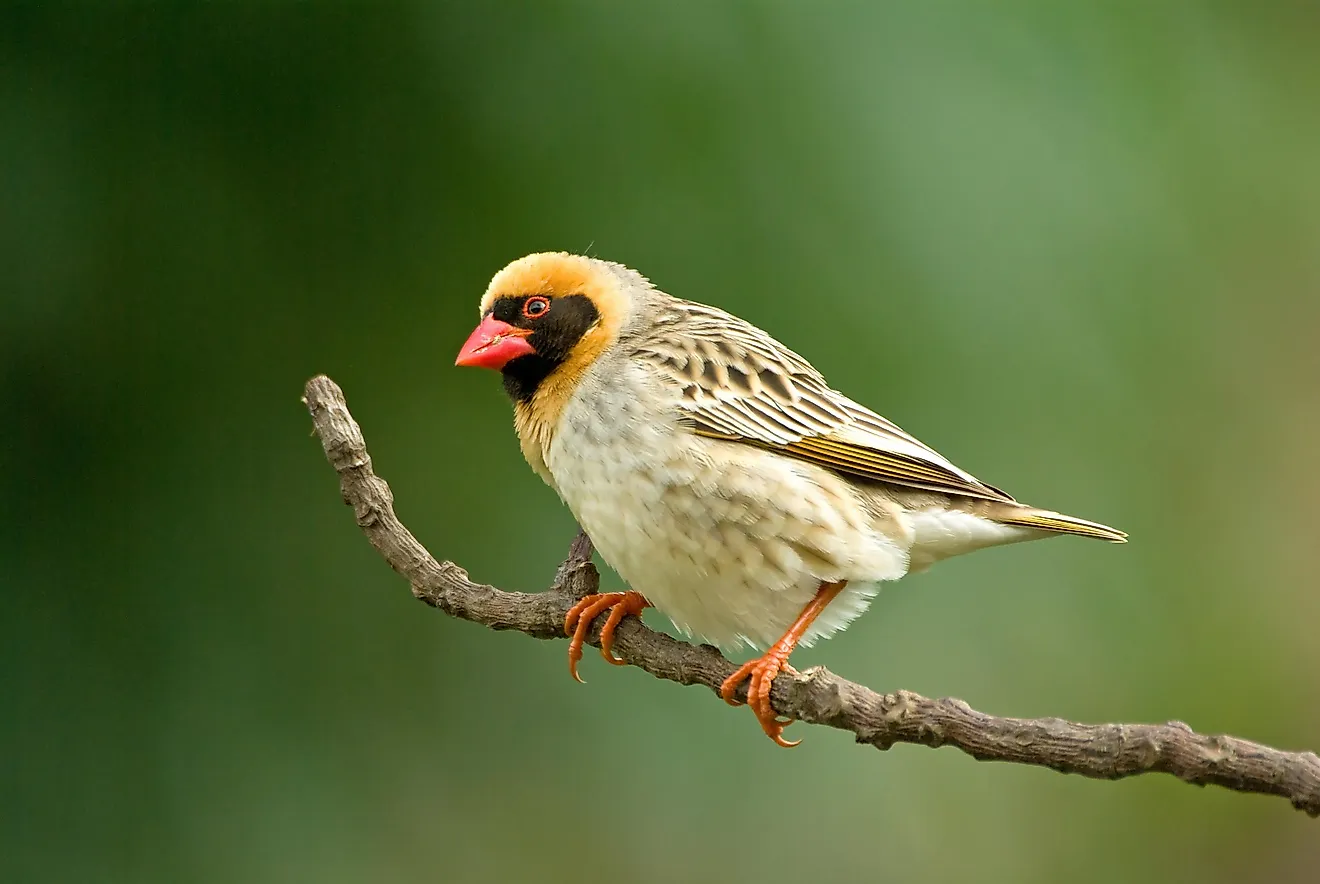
{"x":1061,"y":524}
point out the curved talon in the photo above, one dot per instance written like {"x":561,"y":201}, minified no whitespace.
{"x":761,"y":672}
{"x":577,"y":623}
{"x":632,"y":603}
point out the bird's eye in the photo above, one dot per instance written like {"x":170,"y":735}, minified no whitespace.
{"x":535,"y":307}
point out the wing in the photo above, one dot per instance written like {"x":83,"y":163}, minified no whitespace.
{"x":739,"y":384}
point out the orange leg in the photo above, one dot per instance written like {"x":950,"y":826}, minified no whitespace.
{"x":578,"y":622}
{"x":762,"y":671}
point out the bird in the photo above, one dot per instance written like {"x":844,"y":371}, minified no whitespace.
{"x":717,"y":472}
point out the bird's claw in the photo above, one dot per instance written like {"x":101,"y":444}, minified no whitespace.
{"x":578,"y":622}
{"x":762,"y":672}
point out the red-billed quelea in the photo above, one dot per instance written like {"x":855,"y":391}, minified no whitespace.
{"x":716,"y":470}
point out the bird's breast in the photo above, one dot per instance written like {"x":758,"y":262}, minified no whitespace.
{"x":727,"y":540}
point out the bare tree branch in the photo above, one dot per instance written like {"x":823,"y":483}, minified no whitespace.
{"x":1101,"y":751}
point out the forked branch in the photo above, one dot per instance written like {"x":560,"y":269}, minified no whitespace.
{"x":1101,"y":751}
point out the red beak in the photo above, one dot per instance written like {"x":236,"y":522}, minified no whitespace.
{"x":493,"y":344}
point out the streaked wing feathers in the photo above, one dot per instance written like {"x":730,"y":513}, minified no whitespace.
{"x":739,"y":384}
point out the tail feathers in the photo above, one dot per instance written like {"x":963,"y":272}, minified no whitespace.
{"x":1045,"y":520}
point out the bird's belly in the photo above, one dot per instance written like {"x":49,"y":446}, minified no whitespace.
{"x":730,"y":547}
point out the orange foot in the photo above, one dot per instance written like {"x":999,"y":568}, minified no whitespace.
{"x":578,"y":622}
{"x":762,"y":670}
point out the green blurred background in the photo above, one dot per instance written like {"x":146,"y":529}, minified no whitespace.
{"x":1075,"y":247}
